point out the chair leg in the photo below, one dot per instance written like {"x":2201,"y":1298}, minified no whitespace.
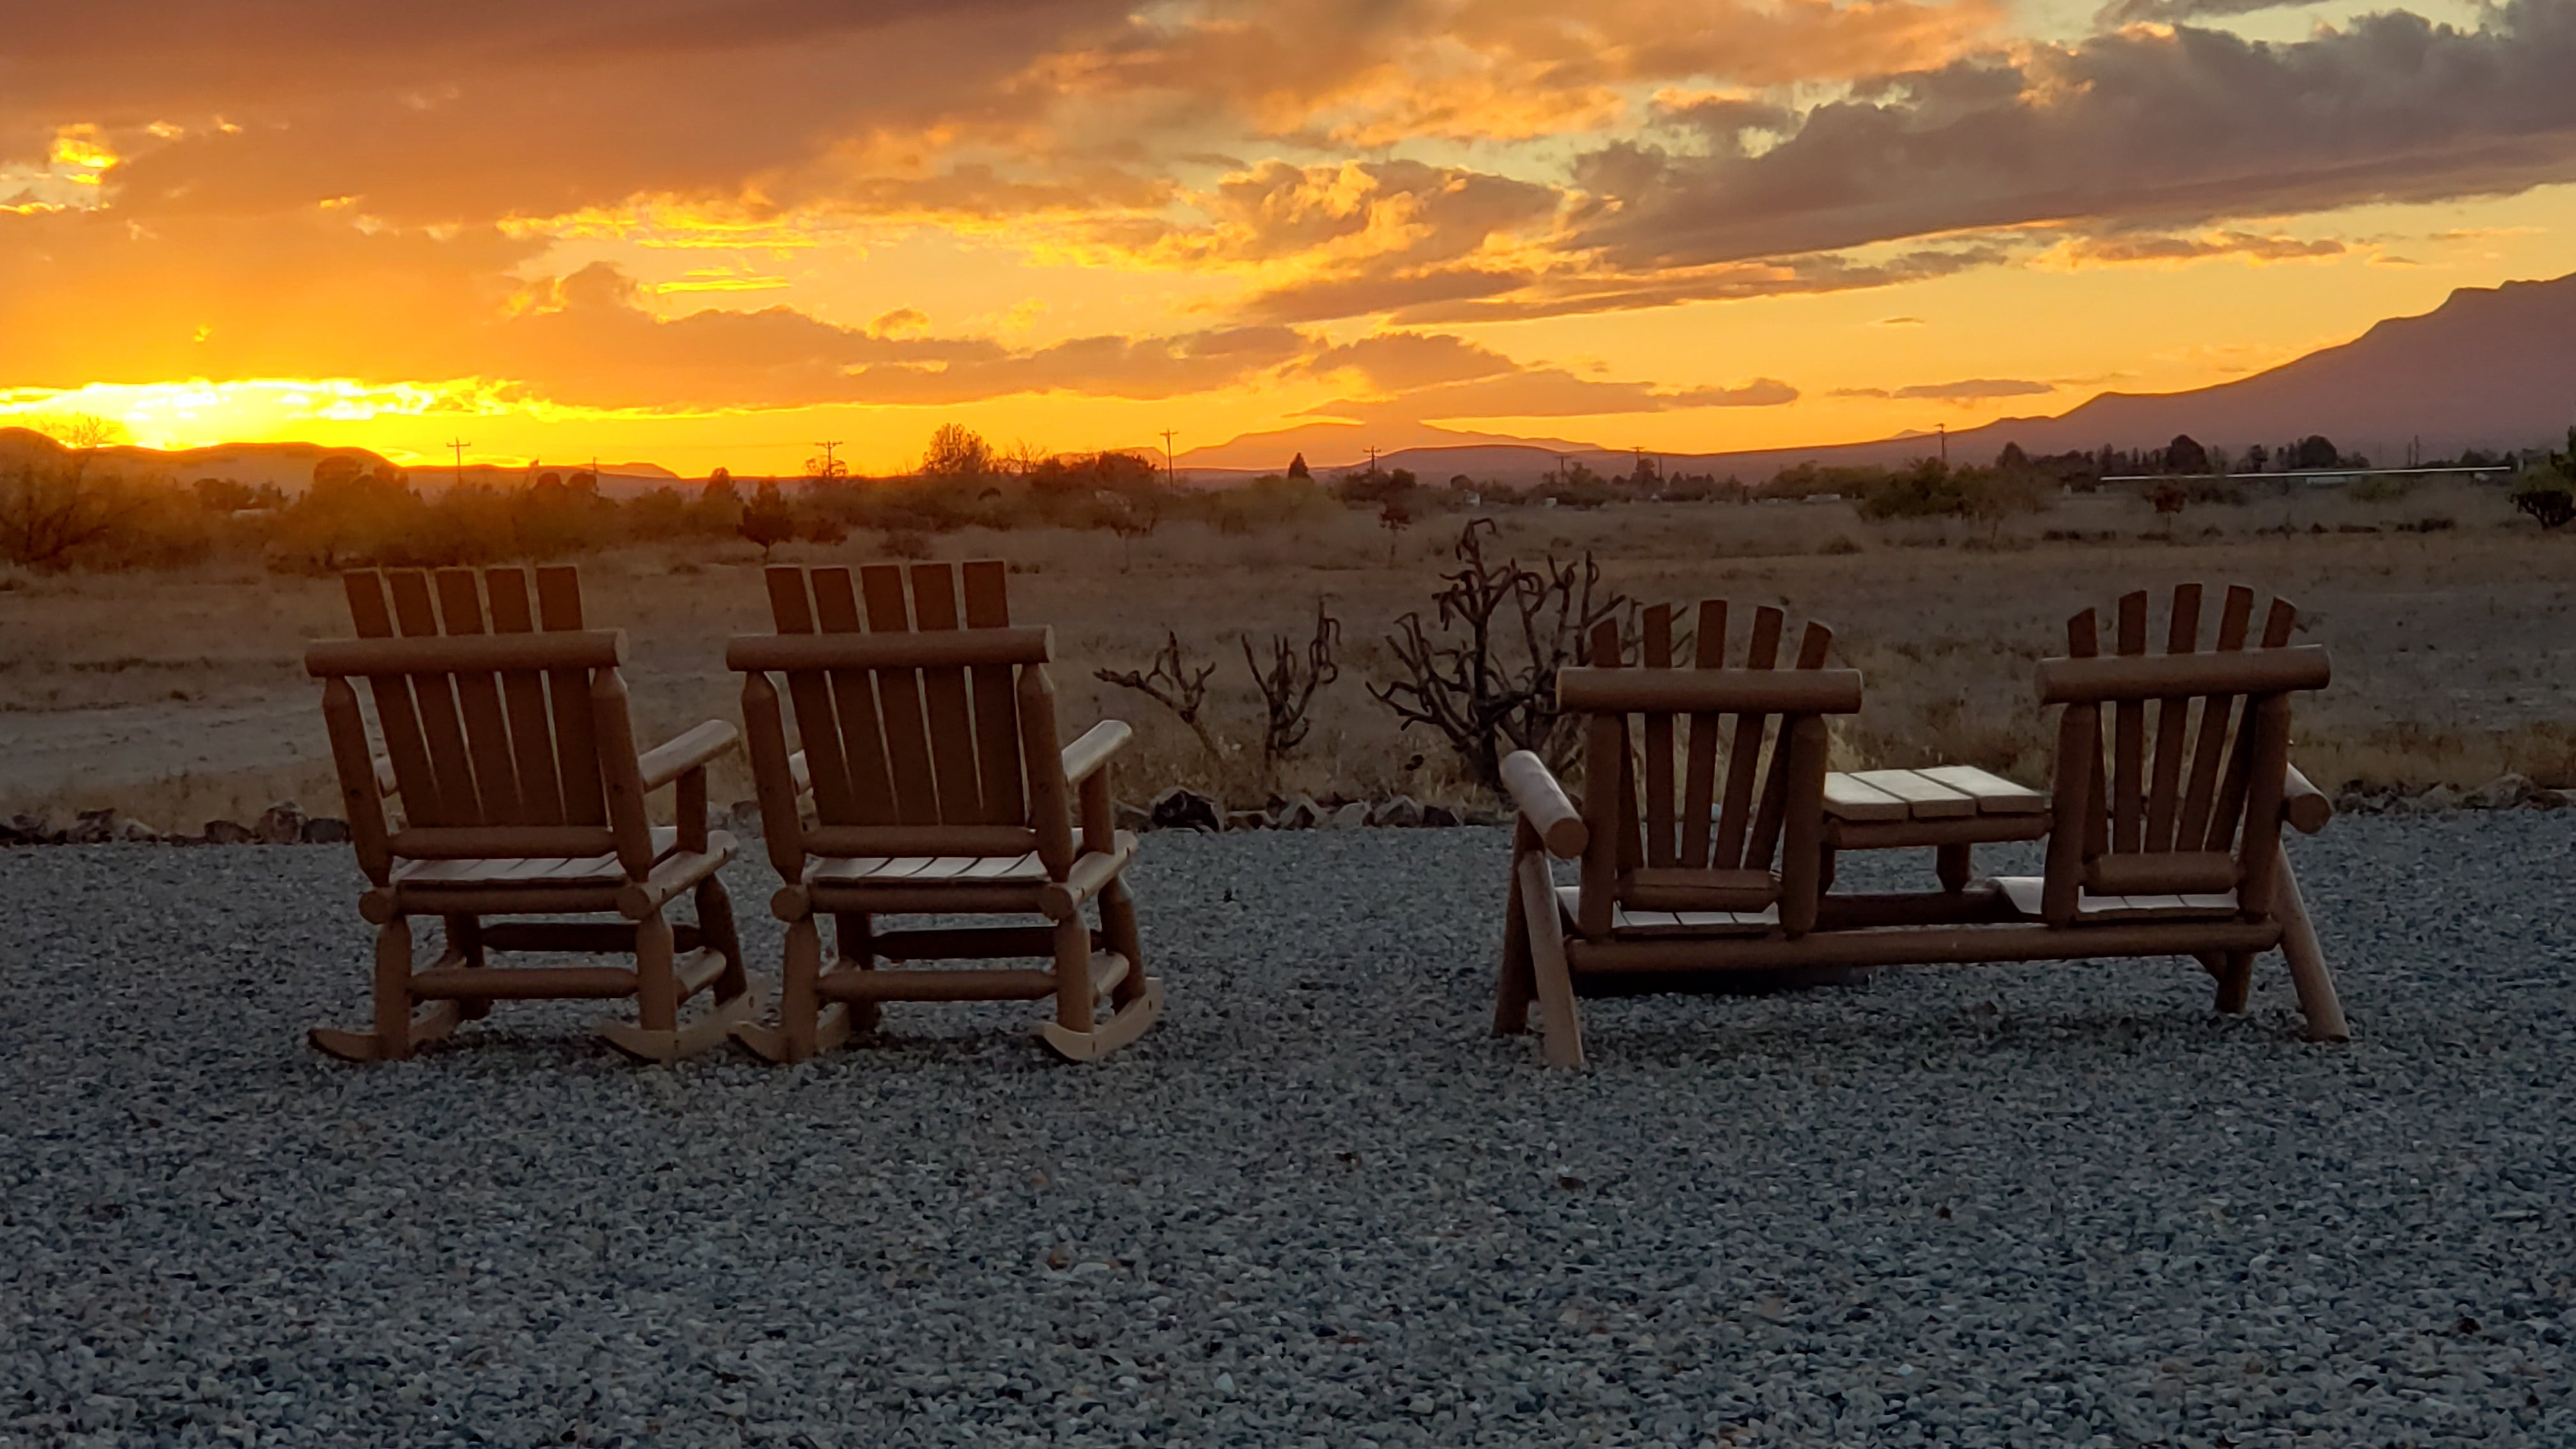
{"x":1956,"y":864}
{"x":393,"y":990}
{"x":1515,"y":986}
{"x":1554,"y":979}
{"x":2318,"y":1001}
{"x":657,"y":989}
{"x":465,"y":942}
{"x":798,"y":1033}
{"x":398,"y":1030}
{"x":854,"y":945}
{"x":1073,"y":996}
{"x":1118,"y":923}
{"x":716,"y":928}
{"x":2236,"y":982}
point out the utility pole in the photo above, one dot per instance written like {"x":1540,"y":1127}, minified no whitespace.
{"x":1168,"y":476}
{"x":1945,"y":445}
{"x":460,"y":445}
{"x":828,"y":448}
{"x":1372,"y":452}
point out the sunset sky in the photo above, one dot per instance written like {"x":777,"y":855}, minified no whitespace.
{"x":714,"y":232}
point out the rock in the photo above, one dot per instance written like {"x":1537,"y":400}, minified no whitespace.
{"x":132,"y":831}
{"x":1300,"y":813}
{"x":1440,"y":817}
{"x":1488,"y":817}
{"x":743,"y":819}
{"x":25,"y":829}
{"x":2435,"y":800}
{"x":2504,"y":792}
{"x":1130,"y":817}
{"x":1247,"y":820}
{"x":2544,"y":798}
{"x":1180,"y":809}
{"x":229,"y":832}
{"x":280,"y":824}
{"x":326,"y":830}
{"x":1353,"y":816}
{"x":1401,"y":813}
{"x":91,"y":827}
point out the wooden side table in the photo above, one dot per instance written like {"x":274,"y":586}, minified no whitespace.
{"x":1951,"y":808}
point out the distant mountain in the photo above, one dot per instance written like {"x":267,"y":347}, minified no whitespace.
{"x":1327,"y":445}
{"x":287,"y":465}
{"x":2492,"y":367}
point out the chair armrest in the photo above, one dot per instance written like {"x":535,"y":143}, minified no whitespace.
{"x":690,"y":751}
{"x":1084,"y":757}
{"x":2303,"y":805}
{"x":1544,"y":805}
{"x":385,"y":782}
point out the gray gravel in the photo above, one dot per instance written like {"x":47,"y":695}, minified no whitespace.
{"x":1317,"y":1204}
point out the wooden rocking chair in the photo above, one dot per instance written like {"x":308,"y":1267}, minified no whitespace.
{"x":521,"y":794}
{"x":930,"y":758}
{"x":1660,"y":890}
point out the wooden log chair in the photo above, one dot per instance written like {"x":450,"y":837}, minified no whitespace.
{"x":1688,"y":850}
{"x":2167,"y":840}
{"x":511,"y":756}
{"x":930,"y":761}
{"x":508,"y":748}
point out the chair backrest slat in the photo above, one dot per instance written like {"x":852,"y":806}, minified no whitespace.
{"x":997,"y":721}
{"x":1743,"y":756}
{"x":2241,"y":760}
{"x":424,"y":798}
{"x":2173,"y":725}
{"x":818,"y":730}
{"x":945,"y":706}
{"x":916,"y":786}
{"x":478,"y":699}
{"x":2209,"y":755}
{"x":862,"y":746}
{"x":1662,"y":842}
{"x":1812,"y":647}
{"x":1699,"y":774}
{"x":435,"y":696}
{"x":2129,"y":734}
{"x":523,"y":700}
{"x":576,"y":727}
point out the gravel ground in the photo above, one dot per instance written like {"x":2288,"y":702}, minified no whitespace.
{"x":1318,"y":1204}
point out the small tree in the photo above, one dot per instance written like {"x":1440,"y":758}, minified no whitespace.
{"x":1464,"y":677}
{"x":957,"y":452}
{"x":766,"y":520}
{"x":1395,"y":518}
{"x":2549,"y":494}
{"x":2169,"y":499}
{"x":1176,"y":684}
{"x":1297,"y":468}
{"x":1287,"y":689}
{"x":52,"y":505}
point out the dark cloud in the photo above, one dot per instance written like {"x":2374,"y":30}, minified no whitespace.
{"x":1973,"y":389}
{"x":2175,"y":128}
{"x":2167,"y":12}
{"x":2113,"y":250}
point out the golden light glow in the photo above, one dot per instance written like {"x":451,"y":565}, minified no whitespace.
{"x":1618,"y":216}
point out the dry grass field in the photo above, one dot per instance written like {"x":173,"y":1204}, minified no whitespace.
{"x":178,"y":697}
